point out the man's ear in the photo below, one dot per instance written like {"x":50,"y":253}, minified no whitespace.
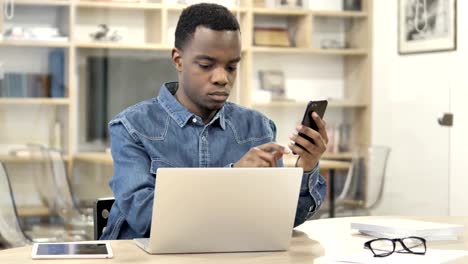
{"x":177,"y":59}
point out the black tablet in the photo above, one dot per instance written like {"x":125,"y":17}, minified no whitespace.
{"x":69,"y":250}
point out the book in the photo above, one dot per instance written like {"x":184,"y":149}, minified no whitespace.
{"x":400,"y":228}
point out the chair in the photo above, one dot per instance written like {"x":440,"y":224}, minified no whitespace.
{"x":102,"y":209}
{"x":49,"y":174}
{"x":10,"y":228}
{"x":365,"y":181}
{"x":78,"y":222}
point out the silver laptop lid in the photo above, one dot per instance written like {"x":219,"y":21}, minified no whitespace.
{"x":224,"y":209}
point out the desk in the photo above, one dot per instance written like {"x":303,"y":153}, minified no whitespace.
{"x":310,"y":241}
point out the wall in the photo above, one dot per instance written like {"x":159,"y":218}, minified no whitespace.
{"x":409,"y":93}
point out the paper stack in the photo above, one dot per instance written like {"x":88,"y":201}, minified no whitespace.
{"x":399,"y":228}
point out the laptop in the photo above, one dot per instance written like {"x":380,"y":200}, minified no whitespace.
{"x":202,"y":210}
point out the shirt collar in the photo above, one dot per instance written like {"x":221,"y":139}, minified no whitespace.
{"x":178,"y":112}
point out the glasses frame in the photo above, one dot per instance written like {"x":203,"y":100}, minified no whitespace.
{"x":405,"y":249}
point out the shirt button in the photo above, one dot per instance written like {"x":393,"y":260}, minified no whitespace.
{"x":194,"y":120}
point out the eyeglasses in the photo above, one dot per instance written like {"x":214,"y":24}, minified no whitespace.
{"x":383,"y":247}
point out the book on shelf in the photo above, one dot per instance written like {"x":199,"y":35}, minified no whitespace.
{"x":57,"y":73}
{"x":37,"y":85}
{"x":25,"y":85}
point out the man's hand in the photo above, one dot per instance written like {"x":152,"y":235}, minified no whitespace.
{"x":266,"y":155}
{"x":310,"y":154}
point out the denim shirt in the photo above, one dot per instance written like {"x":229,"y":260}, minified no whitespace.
{"x":160,"y":132}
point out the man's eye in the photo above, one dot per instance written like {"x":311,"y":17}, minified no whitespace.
{"x":232,"y":68}
{"x":204,"y":66}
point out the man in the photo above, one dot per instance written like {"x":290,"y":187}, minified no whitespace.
{"x":190,"y":124}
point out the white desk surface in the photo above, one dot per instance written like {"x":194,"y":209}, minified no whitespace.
{"x":310,"y":241}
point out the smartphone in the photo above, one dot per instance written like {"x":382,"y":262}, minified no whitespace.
{"x":318,"y":107}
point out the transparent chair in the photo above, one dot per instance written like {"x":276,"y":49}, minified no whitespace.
{"x":55,"y":191}
{"x":75,"y":217}
{"x":365,"y":181}
{"x":10,"y":228}
{"x":48,"y":171}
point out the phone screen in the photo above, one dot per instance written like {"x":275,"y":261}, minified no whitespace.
{"x":72,"y":249}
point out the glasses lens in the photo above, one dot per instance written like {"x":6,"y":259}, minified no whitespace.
{"x":382,"y":246}
{"x":414,"y":244}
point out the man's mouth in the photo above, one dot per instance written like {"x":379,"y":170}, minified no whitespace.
{"x":219,"y":96}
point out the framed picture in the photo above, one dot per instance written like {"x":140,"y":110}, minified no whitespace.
{"x":427,"y":26}
{"x":273,"y":82}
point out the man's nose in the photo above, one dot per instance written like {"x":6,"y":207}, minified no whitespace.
{"x":220,"y":76}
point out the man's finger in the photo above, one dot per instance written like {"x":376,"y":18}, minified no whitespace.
{"x":321,"y":126}
{"x":270,"y":147}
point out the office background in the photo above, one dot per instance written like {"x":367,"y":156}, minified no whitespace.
{"x":377,"y":96}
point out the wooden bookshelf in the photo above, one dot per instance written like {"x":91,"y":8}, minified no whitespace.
{"x":122,"y":46}
{"x":34,"y":101}
{"x":280,"y":11}
{"x":23,"y":159}
{"x":118,"y":5}
{"x":94,"y":157}
{"x":331,"y":103}
{"x":43,"y":3}
{"x":35,"y":43}
{"x":310,"y":51}
{"x":339,"y":14}
{"x":356,"y":61}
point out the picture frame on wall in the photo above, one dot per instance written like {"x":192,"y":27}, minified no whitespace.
{"x":427,"y":26}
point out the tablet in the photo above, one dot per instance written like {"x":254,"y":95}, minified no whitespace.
{"x":70,"y":250}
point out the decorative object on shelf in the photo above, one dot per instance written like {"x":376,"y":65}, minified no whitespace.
{"x":290,"y":3}
{"x":332,"y":44}
{"x":271,"y":37}
{"x":273,"y":82}
{"x":426,"y":26}
{"x":34,"y":33}
{"x":352,"y":5}
{"x":103,"y":34}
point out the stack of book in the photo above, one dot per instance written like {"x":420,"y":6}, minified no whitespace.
{"x":25,"y":85}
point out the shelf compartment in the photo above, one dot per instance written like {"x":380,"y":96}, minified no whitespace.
{"x":115,"y":27}
{"x":117,"y":5}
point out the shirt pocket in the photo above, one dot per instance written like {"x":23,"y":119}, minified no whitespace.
{"x":160,"y":163}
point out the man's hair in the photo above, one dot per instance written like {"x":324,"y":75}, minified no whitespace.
{"x":212,"y":16}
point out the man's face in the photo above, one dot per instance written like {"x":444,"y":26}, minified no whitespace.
{"x":207,"y":69}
